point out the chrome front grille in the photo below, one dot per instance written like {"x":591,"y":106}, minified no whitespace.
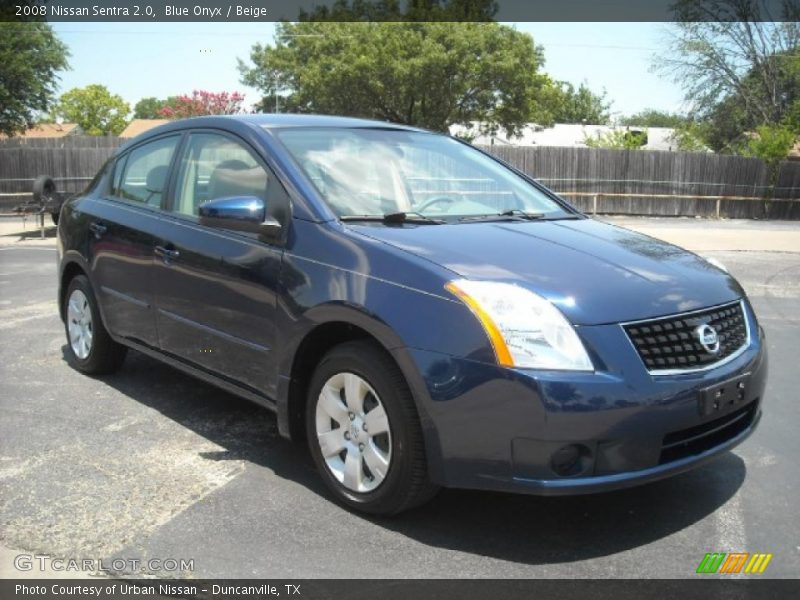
{"x":672,"y":344}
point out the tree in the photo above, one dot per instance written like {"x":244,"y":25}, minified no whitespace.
{"x":30,"y":57}
{"x":428,"y":74}
{"x":96,"y":110}
{"x":397,"y":10}
{"x":771,"y":144}
{"x":651,"y":117}
{"x":617,"y":139}
{"x":689,"y":136}
{"x":580,"y":105}
{"x":201,"y":103}
{"x":738,"y":67}
{"x":148,"y":108}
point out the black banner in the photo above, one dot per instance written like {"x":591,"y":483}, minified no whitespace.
{"x":399,"y":589}
{"x":149,"y":11}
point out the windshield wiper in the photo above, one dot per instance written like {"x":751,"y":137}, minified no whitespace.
{"x":395,"y":218}
{"x":511,"y":214}
{"x":515,"y":212}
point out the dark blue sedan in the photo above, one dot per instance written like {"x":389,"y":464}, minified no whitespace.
{"x":421,"y":313}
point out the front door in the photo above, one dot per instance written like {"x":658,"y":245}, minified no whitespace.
{"x":216,"y":289}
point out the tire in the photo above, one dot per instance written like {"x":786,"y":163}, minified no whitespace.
{"x":366,"y":367}
{"x":90,"y":348}
{"x":43,"y":187}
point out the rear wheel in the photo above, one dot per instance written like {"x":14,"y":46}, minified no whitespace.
{"x":364,"y":431}
{"x":89,"y":346}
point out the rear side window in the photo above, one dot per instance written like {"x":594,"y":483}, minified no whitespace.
{"x":141,"y":175}
{"x":99,"y":177}
{"x":119,"y":169}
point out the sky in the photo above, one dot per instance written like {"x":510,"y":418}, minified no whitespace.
{"x":136,"y":60}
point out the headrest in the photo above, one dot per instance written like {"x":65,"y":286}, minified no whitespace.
{"x":235,"y":178}
{"x":156,"y":178}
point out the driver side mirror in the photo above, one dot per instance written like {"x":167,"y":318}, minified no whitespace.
{"x":240,"y":213}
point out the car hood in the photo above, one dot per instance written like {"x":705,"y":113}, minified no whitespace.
{"x":594,"y":272}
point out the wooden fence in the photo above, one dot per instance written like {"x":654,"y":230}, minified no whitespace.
{"x":72,"y":161}
{"x":638,"y":182}
{"x":595,"y":180}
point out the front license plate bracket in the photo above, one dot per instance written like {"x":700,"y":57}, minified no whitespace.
{"x":721,"y":397}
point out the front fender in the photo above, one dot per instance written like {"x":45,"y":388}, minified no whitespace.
{"x":330,"y":275}
{"x":388,"y":338}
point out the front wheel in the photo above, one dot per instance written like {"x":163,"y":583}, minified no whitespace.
{"x":89,"y":346}
{"x":364,"y":432}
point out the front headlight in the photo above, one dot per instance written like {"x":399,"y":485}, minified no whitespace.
{"x":525,"y":329}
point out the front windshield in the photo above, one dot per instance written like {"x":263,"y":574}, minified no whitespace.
{"x":374,"y":172}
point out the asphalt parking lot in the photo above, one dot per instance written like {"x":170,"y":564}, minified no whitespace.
{"x":151,"y":463}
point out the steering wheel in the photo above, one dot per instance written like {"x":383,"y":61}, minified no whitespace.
{"x":433,"y":201}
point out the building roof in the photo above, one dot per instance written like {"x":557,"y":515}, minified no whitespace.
{"x":138,"y":126}
{"x":49,"y":130}
{"x":564,"y":134}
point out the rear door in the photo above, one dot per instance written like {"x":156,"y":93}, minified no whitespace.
{"x":216,"y":289}
{"x":125,"y":223}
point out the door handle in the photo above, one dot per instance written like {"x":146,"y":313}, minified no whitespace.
{"x":167,"y":253}
{"x":98,"y":229}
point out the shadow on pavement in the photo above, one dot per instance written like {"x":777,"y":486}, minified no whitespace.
{"x":537,"y":530}
{"x":31,"y":231}
{"x":525,"y":529}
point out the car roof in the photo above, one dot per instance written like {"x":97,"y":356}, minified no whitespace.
{"x":265,"y":121}
{"x":294,"y":120}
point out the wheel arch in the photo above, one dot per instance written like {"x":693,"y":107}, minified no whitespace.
{"x":335,"y":325}
{"x":72,"y":265}
{"x":70,"y":268}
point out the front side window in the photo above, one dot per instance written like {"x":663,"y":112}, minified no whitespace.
{"x":362,"y":171}
{"x":216,"y":166}
{"x":141,"y":175}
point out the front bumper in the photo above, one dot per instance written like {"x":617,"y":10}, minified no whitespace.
{"x":488,"y":427}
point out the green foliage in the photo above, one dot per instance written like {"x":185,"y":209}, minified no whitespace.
{"x":30,"y":57}
{"x":651,"y":117}
{"x":400,"y":10}
{"x":733,"y":119}
{"x":148,"y":108}
{"x":545,"y":99}
{"x":96,"y":110}
{"x":580,"y":105}
{"x":739,"y":67}
{"x":617,"y":139}
{"x":689,"y":136}
{"x":792,"y":117}
{"x":428,"y":74}
{"x":769,"y":143}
